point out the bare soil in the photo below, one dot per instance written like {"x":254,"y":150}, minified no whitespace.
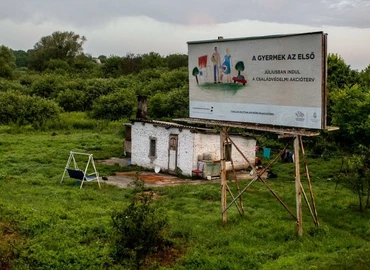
{"x":152,"y":179}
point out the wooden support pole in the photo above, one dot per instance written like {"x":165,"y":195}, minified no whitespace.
{"x":309,"y":183}
{"x":223,"y":135}
{"x":232,"y":196}
{"x":236,"y":181}
{"x":308,"y":204}
{"x":258,"y":177}
{"x":298,"y":185}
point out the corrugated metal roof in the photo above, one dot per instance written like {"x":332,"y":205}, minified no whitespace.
{"x":174,"y":125}
{"x":191,"y":128}
{"x":259,"y":127}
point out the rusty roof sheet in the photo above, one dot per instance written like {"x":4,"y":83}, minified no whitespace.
{"x":175,"y":125}
{"x":258,"y":127}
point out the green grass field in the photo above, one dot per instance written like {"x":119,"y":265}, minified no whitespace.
{"x":48,"y":225}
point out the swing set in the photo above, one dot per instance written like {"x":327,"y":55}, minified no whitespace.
{"x":78,"y":174}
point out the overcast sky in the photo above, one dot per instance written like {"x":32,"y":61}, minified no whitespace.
{"x":117,"y":27}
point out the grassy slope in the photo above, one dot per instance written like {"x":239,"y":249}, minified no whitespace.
{"x":67,"y":228}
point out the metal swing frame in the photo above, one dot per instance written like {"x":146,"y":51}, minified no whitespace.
{"x":79,"y":174}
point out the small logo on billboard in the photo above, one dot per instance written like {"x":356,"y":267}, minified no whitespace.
{"x":299,"y":116}
{"x":314,"y":118}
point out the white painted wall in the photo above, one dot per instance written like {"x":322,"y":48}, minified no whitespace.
{"x":185,"y":151}
{"x":190,"y":146}
{"x":141,"y":134}
{"x":210,"y":143}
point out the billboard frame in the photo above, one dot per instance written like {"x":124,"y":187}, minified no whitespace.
{"x":323,"y":76}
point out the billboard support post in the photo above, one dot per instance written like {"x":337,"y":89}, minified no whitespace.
{"x":283,"y":132}
{"x":298,"y":188}
{"x":223,"y":136}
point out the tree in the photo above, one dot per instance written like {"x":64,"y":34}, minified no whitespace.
{"x":196,"y":73}
{"x":7,"y":62}
{"x":131,"y":64}
{"x":59,"y":45}
{"x":21,"y":58}
{"x":350,"y":111}
{"x":239,"y":67}
{"x":111,"y":67}
{"x":175,"y":61}
{"x":5,"y":70}
{"x":114,"y":106}
{"x":365,"y":77}
{"x":173,"y":104}
{"x":152,"y":60}
{"x":8,"y":56}
{"x":356,"y":176}
{"x":339,"y":73}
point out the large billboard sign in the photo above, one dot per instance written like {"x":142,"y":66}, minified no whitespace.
{"x":273,"y":80}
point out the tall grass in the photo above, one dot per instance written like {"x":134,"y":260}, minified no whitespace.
{"x":48,"y":225}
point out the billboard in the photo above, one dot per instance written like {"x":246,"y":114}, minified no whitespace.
{"x":274,"y":80}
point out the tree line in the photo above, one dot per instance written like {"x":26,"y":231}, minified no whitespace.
{"x":58,"y":70}
{"x":57,"y":76}
{"x":63,"y":52}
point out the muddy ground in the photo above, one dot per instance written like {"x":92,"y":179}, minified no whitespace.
{"x":152,"y":179}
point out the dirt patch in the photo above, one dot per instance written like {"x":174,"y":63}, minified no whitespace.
{"x":10,"y":241}
{"x":152,"y":179}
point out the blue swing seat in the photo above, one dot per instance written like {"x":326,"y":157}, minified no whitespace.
{"x":79,"y":175}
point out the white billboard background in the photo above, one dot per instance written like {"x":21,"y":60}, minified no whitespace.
{"x":284,"y":81}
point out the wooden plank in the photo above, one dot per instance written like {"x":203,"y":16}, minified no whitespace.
{"x":232,"y":196}
{"x":223,"y":135}
{"x":236,"y":181}
{"x":261,"y":179}
{"x":309,"y":184}
{"x":298,"y":186}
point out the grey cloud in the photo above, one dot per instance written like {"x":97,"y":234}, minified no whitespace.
{"x":89,"y":13}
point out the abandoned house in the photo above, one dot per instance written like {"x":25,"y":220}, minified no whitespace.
{"x":181,"y":149}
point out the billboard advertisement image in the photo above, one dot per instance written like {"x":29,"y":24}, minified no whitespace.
{"x":273,"y":80}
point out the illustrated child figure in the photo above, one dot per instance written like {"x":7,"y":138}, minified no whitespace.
{"x":216,"y":60}
{"x":227,"y":65}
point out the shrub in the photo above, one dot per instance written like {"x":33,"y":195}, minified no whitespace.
{"x":172,"y":104}
{"x":71,"y":100}
{"x":23,"y":110}
{"x":94,"y":88}
{"x":48,"y":86}
{"x":5,"y":70}
{"x":356,"y":177}
{"x":140,"y":230}
{"x":7,"y":85}
{"x":114,"y":106}
{"x":57,"y":65}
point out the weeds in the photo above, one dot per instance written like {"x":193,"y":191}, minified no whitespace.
{"x":59,"y":226}
{"x":140,"y":229}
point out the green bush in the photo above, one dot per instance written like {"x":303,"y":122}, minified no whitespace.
{"x":71,"y":100}
{"x":140,"y":230}
{"x":114,"y":106}
{"x":170,"y":105}
{"x":94,"y":88}
{"x":5,"y":70}
{"x":23,"y":110}
{"x":7,"y":85}
{"x":48,"y":86}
